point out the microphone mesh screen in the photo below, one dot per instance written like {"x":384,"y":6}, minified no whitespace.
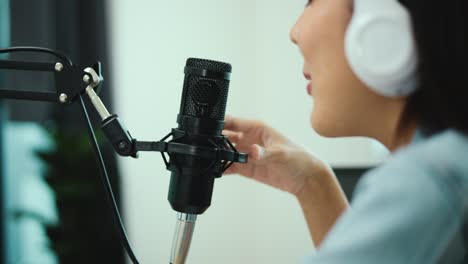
{"x":206,"y":97}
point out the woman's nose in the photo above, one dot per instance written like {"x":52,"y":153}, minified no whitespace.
{"x":293,"y":33}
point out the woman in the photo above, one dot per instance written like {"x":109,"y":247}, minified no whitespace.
{"x":411,"y":209}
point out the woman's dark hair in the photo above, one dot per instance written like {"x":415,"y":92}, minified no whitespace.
{"x":441,"y":33}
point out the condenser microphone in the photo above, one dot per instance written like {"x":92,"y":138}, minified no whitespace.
{"x":200,"y":124}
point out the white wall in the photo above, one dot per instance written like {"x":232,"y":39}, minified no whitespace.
{"x":247,"y":222}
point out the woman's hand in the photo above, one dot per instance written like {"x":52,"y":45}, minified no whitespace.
{"x":273,"y":159}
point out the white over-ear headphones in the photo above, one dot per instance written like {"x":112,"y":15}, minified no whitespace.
{"x":380,"y":47}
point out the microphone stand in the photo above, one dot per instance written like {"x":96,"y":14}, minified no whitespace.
{"x":74,"y":81}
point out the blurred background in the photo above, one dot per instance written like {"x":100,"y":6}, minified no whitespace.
{"x":53,"y":204}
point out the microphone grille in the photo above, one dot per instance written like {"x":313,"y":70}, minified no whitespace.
{"x":205,"y":97}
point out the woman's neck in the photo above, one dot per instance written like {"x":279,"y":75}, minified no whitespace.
{"x":402,"y":137}
{"x":398,"y":131}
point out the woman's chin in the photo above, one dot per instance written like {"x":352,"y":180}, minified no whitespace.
{"x":317,"y":125}
{"x":325,"y":127}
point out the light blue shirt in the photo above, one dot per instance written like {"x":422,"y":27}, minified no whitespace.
{"x":409,"y":210}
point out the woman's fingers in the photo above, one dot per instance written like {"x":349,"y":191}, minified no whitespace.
{"x":232,"y":170}
{"x":252,"y":131}
{"x":256,"y":152}
{"x":257,"y":155}
{"x":240,"y":168}
{"x":241,"y":140}
{"x":234,"y":137}
{"x":239,"y":124}
{"x":246,"y":168}
{"x":260,"y":155}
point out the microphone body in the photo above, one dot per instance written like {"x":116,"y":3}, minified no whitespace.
{"x":200,"y":123}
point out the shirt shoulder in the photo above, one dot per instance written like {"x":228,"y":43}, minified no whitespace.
{"x":441,"y":159}
{"x":405,"y":211}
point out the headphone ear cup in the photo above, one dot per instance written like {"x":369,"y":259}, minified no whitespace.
{"x":381,"y":51}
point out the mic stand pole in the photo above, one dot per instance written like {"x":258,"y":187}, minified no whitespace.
{"x":182,"y":237}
